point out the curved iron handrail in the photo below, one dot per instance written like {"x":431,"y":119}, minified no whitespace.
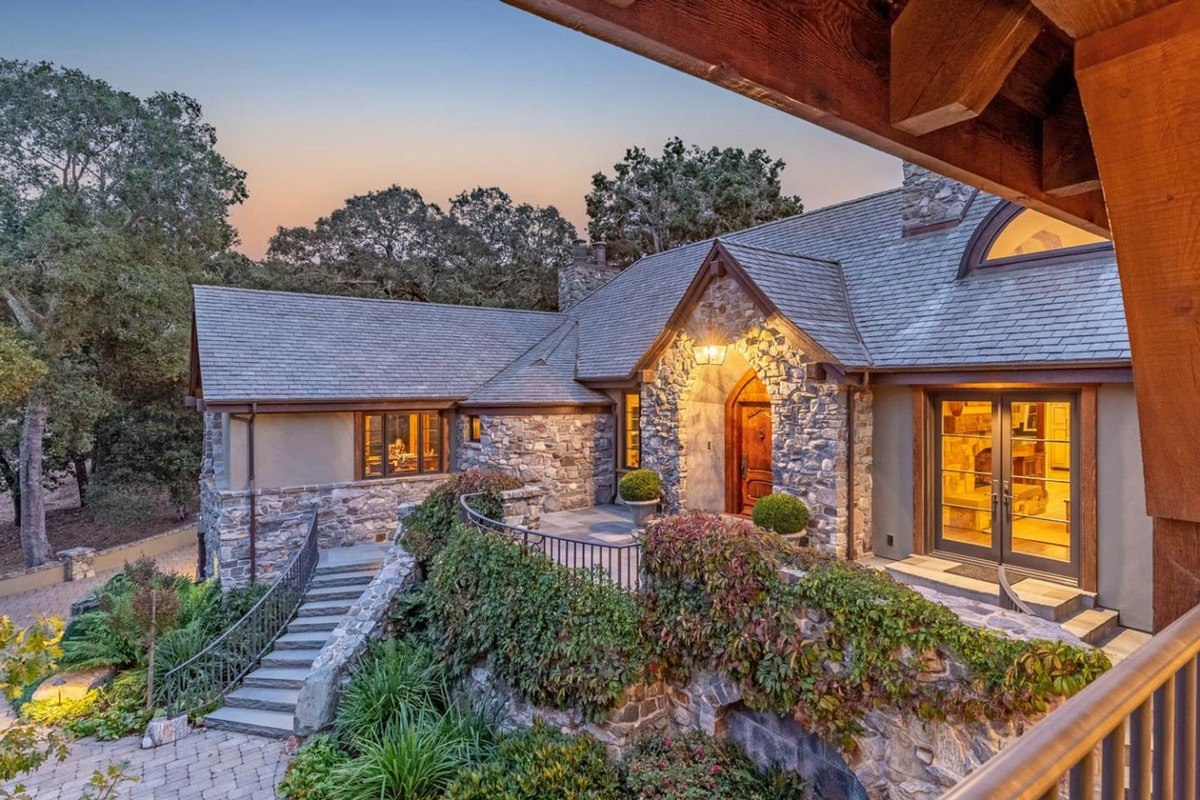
{"x":619,"y":564}
{"x":206,"y":677}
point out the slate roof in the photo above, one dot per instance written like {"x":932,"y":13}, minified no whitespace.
{"x":545,"y":375}
{"x":262,"y":345}
{"x":842,"y":274}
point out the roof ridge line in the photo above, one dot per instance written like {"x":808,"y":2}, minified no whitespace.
{"x":736,"y":243}
{"x":385,"y":300}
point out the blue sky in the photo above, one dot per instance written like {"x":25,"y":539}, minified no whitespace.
{"x":319,"y":101}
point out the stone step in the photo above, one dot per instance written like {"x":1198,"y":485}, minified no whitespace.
{"x":331,"y":567}
{"x":323,"y":624}
{"x":335,"y":593}
{"x":931,"y":573}
{"x":1053,"y":601}
{"x":302,"y":640}
{"x":325,"y":608}
{"x":277,"y":677}
{"x":264,"y":698}
{"x":355,"y":578}
{"x":276,"y":724}
{"x":1124,"y":643}
{"x":1092,"y":624}
{"x":290,"y":658}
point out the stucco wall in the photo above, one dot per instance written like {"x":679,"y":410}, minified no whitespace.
{"x":292,"y":449}
{"x":1125,"y":531}
{"x":892,"y":492}
{"x":703,"y":432}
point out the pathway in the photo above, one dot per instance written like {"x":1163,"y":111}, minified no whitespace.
{"x":207,"y":765}
{"x":55,"y":601}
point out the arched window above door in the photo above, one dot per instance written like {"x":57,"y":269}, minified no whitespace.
{"x":1014,"y":236}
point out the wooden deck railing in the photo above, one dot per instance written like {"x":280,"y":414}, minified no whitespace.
{"x":1131,"y":733}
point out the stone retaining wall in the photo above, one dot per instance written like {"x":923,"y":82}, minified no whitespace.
{"x":350,"y":513}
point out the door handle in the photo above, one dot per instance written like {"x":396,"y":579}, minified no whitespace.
{"x":745,"y":466}
{"x":1008,"y":497}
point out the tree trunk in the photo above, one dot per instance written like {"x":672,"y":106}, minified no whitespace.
{"x":12,"y":479}
{"x":79,"y":464}
{"x":34,"y":543}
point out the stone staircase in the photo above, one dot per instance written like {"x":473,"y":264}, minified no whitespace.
{"x":1072,"y":609}
{"x":265,"y":703}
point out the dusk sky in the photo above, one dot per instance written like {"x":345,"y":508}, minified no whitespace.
{"x":319,"y":101}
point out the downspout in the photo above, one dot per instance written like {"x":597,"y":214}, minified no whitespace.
{"x":850,"y":554}
{"x":253,"y":499}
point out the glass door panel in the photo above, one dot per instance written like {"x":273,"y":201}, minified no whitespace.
{"x":966,"y":443}
{"x":1040,"y":493}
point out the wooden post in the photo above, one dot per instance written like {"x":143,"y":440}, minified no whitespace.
{"x":1138,"y":82}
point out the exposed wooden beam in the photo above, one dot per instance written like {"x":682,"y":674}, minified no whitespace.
{"x":1068,"y":161}
{"x":826,"y":62}
{"x":1081,"y":18}
{"x":1138,"y":84}
{"x":949,"y":59}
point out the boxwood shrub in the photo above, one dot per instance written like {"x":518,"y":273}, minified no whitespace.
{"x":563,"y":640}
{"x":640,"y":485}
{"x":781,"y":513}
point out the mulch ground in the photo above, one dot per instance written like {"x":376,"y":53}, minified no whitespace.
{"x":73,"y":527}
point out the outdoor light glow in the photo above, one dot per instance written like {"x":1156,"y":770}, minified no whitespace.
{"x":711,"y":354}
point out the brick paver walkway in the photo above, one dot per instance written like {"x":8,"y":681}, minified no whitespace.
{"x":207,"y":765}
{"x":55,"y":601}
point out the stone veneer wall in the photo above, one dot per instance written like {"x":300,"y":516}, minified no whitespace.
{"x":932,"y":202}
{"x":864,"y":420}
{"x":808,"y":417}
{"x":569,"y":456}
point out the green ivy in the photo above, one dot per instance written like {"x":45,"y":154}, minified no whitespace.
{"x":560,"y":638}
{"x":838,"y":642}
{"x":428,"y":526}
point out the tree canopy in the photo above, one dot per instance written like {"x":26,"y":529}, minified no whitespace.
{"x":109,"y":205}
{"x":484,"y":249}
{"x":687,"y":194}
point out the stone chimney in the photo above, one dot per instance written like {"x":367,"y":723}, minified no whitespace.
{"x":586,"y":272}
{"x":932,"y":202}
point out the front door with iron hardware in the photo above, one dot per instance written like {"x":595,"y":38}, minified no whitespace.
{"x":1004,"y":467}
{"x":748,"y":472}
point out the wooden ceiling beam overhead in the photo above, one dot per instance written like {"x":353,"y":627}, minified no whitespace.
{"x":949,"y":60}
{"x":1068,"y":161}
{"x":828,"y":63}
{"x":1080,"y":18}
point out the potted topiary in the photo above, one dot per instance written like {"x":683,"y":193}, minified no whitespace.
{"x":781,"y":513}
{"x":641,"y":490}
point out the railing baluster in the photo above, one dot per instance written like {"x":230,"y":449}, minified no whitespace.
{"x":1112,"y":765}
{"x":1139,"y":753}
{"x":1164,"y":741}
{"x":1185,"y":732}
{"x":1082,"y":782}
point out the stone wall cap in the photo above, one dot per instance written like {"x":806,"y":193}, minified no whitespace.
{"x":368,"y":483}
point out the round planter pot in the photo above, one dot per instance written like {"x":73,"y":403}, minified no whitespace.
{"x":642,"y":510}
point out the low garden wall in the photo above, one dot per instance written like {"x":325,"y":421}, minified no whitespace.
{"x":349,"y":513}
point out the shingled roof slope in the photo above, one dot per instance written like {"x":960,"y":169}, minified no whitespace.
{"x":912,"y":310}
{"x":265,"y":345}
{"x":545,"y":375}
{"x":809,"y":292}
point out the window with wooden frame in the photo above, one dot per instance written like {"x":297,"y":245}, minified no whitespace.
{"x":631,"y":450}
{"x":1014,"y":236}
{"x":474,"y":428}
{"x":399,"y":443}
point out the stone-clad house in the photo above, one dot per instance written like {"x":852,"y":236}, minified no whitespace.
{"x":931,"y":369}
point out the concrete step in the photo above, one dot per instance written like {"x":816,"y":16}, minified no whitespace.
{"x":276,"y":724}
{"x":1124,"y":643}
{"x":1092,"y":624}
{"x":263,"y":698}
{"x":335,"y":593}
{"x":318,"y":624}
{"x":302,"y":640}
{"x":277,"y":677}
{"x":355,"y":578}
{"x":324,"y":608}
{"x":932,"y":573}
{"x":290,"y":658}
{"x":1053,"y":601}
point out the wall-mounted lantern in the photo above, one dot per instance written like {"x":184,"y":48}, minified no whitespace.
{"x":710,"y":354}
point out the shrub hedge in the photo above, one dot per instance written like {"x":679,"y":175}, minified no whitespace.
{"x":426,"y":528}
{"x":561,"y":639}
{"x":640,"y":486}
{"x":692,"y":766}
{"x":716,"y":601}
{"x":780,"y":513}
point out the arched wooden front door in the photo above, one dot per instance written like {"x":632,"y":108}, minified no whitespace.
{"x":748,"y":473}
